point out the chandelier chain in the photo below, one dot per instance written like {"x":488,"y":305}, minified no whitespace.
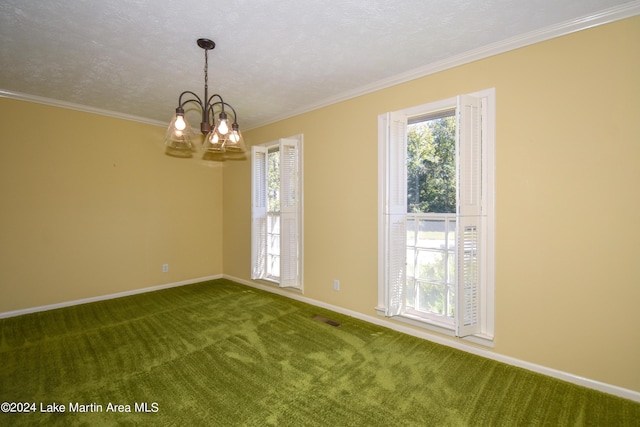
{"x":206,"y":70}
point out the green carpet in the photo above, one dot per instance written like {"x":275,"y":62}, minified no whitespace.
{"x":223,"y":354}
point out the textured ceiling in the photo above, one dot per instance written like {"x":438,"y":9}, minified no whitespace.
{"x":272,"y":59}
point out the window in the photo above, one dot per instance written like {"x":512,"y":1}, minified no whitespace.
{"x":276,"y":212}
{"x":431,"y":216}
{"x":436,"y":215}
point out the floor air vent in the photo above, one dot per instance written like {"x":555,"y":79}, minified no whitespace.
{"x":325,"y":320}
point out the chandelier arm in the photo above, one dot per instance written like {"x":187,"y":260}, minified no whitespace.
{"x":222,"y":104}
{"x":205,"y":126}
{"x":182,"y":104}
{"x":234,"y":112}
{"x":211,"y":104}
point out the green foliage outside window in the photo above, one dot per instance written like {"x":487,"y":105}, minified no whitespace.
{"x":273,"y":181}
{"x":431,"y":166}
{"x":431,"y":188}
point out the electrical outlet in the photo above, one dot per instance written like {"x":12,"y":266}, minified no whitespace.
{"x":165,"y":268}
{"x":336,"y":285}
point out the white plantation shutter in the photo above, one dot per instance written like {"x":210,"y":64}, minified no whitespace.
{"x":395,"y":211}
{"x":470,"y":215}
{"x":258,"y":211}
{"x":290,"y":208}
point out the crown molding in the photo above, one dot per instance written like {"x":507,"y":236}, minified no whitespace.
{"x":78,"y":107}
{"x":602,"y":17}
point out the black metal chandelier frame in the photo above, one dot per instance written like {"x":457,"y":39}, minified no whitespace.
{"x":208,"y":107}
{"x":220,"y":137}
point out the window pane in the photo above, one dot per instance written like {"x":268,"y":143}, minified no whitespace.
{"x":432,"y":233}
{"x":273,"y":192}
{"x":411,"y":232}
{"x":452,"y":301}
{"x":432,"y":298}
{"x":411,"y":293}
{"x":411,"y":271}
{"x":451,"y":234}
{"x":431,"y":163}
{"x":431,"y":265}
{"x":273,"y":245}
{"x":274,"y":223}
{"x":273,"y":266}
{"x":451,"y":267}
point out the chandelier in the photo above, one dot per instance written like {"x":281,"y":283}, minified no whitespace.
{"x":219,"y":125}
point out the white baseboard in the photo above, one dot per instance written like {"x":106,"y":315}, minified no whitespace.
{"x":565,"y":376}
{"x":561,"y":375}
{"x":105,"y":297}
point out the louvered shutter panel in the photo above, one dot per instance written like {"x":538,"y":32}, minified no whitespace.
{"x":259,"y":205}
{"x":290,"y":206}
{"x":469,"y":221}
{"x":395,"y":212}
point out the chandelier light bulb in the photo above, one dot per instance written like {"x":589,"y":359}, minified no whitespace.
{"x":180,"y":123}
{"x":223,"y":128}
{"x":234,"y":137}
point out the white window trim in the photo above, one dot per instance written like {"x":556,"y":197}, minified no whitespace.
{"x":487,"y":322}
{"x":297,"y":211}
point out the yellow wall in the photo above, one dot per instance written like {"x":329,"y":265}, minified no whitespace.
{"x":91,"y":206}
{"x":567,"y":198}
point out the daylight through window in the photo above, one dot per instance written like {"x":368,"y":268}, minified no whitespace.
{"x":436,"y":214}
{"x":276,"y":212}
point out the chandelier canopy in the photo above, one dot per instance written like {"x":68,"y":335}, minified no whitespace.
{"x":219,"y":123}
